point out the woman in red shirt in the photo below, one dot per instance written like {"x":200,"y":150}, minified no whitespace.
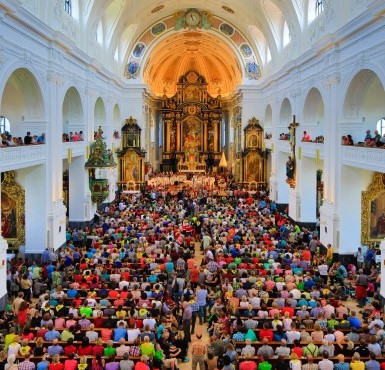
{"x":71,"y":363}
{"x":22,"y":316}
{"x":56,"y":364}
{"x":85,"y":348}
{"x":98,"y":348}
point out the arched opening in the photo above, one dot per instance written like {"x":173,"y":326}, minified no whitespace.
{"x":100,"y":117}
{"x":22,"y":105}
{"x":268,"y":121}
{"x":364,"y":103}
{"x":285,"y":114}
{"x":73,"y":118}
{"x":116,"y":121}
{"x":313,"y":114}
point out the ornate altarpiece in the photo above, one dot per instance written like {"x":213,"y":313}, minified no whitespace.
{"x":192,"y":126}
{"x":131,"y":157}
{"x":254,"y":156}
{"x":373,"y":210}
{"x":12,"y":210}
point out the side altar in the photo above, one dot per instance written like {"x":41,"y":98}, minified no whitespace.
{"x":192,"y":126}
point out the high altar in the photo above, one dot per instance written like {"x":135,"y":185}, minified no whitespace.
{"x":192,"y":126}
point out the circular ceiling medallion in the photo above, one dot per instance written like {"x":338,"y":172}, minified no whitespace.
{"x":158,"y":29}
{"x":227,"y":9}
{"x":157,"y":9}
{"x":227,"y":29}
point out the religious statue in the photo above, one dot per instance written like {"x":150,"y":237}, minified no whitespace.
{"x":290,"y":169}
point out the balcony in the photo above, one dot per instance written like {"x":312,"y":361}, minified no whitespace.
{"x":309,"y":149}
{"x":284,"y":146}
{"x":78,"y":148}
{"x":14,"y":158}
{"x":363,"y":157}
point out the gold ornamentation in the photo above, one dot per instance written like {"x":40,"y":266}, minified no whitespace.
{"x":16,"y":196}
{"x":375,"y":190}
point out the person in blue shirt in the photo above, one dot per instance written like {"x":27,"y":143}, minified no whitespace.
{"x":120,"y":332}
{"x":72,"y":293}
{"x":354,"y":321}
{"x":41,"y":138}
{"x":50,"y":269}
{"x":51,"y":334}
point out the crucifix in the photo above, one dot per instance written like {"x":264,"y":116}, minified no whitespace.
{"x":291,"y":162}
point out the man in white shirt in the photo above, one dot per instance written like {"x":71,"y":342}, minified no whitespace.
{"x":151,"y":322}
{"x":91,"y":334}
{"x":132,"y":333}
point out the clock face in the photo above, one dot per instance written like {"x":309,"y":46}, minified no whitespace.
{"x":193,"y":18}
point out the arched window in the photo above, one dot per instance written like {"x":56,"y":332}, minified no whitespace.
{"x":381,"y":126}
{"x":285,"y":35}
{"x":5,"y":126}
{"x":68,"y":7}
{"x":319,"y":7}
{"x":268,"y":55}
{"x":315,"y":8}
{"x":99,"y":33}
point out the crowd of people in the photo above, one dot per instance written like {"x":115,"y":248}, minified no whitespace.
{"x":370,"y":140}
{"x":7,"y":140}
{"x":137,"y":290}
{"x":77,"y":136}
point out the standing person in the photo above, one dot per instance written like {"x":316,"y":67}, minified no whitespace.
{"x":329,"y":255}
{"x":362,"y":282}
{"x":198,"y":351}
{"x":360,"y":258}
{"x":202,"y":296}
{"x":186,"y":320}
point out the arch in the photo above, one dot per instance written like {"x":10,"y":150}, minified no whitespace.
{"x":116,"y":119}
{"x":73,"y":113}
{"x":100,"y":117}
{"x":365,"y":98}
{"x":268,"y":117}
{"x":285,"y":113}
{"x":22,"y":103}
{"x":314,"y":111}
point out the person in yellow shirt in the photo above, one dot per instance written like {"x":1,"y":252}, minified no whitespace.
{"x":9,"y":338}
{"x":25,"y":348}
{"x":329,"y":254}
{"x":356,"y":363}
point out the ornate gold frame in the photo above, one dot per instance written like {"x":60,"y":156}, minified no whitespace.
{"x":16,"y":192}
{"x":374,"y":190}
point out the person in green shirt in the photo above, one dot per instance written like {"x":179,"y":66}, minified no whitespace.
{"x":332,"y":322}
{"x":110,"y":350}
{"x":85,"y":310}
{"x":264,"y":365}
{"x":147,"y":348}
{"x":65,"y":334}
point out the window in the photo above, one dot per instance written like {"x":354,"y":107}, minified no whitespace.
{"x":285,"y":35}
{"x":319,"y":7}
{"x":381,"y":126}
{"x":68,"y":7}
{"x":4,"y":125}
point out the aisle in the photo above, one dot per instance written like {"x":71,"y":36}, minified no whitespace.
{"x":198,"y":327}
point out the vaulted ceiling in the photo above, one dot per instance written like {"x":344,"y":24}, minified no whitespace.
{"x":260,"y":22}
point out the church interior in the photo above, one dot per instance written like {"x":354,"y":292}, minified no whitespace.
{"x":100,"y":98}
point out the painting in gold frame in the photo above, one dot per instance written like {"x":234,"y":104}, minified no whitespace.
{"x":12,"y":210}
{"x":373,"y":210}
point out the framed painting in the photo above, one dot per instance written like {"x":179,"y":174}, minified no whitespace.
{"x":12,"y":210}
{"x":373,"y":210}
